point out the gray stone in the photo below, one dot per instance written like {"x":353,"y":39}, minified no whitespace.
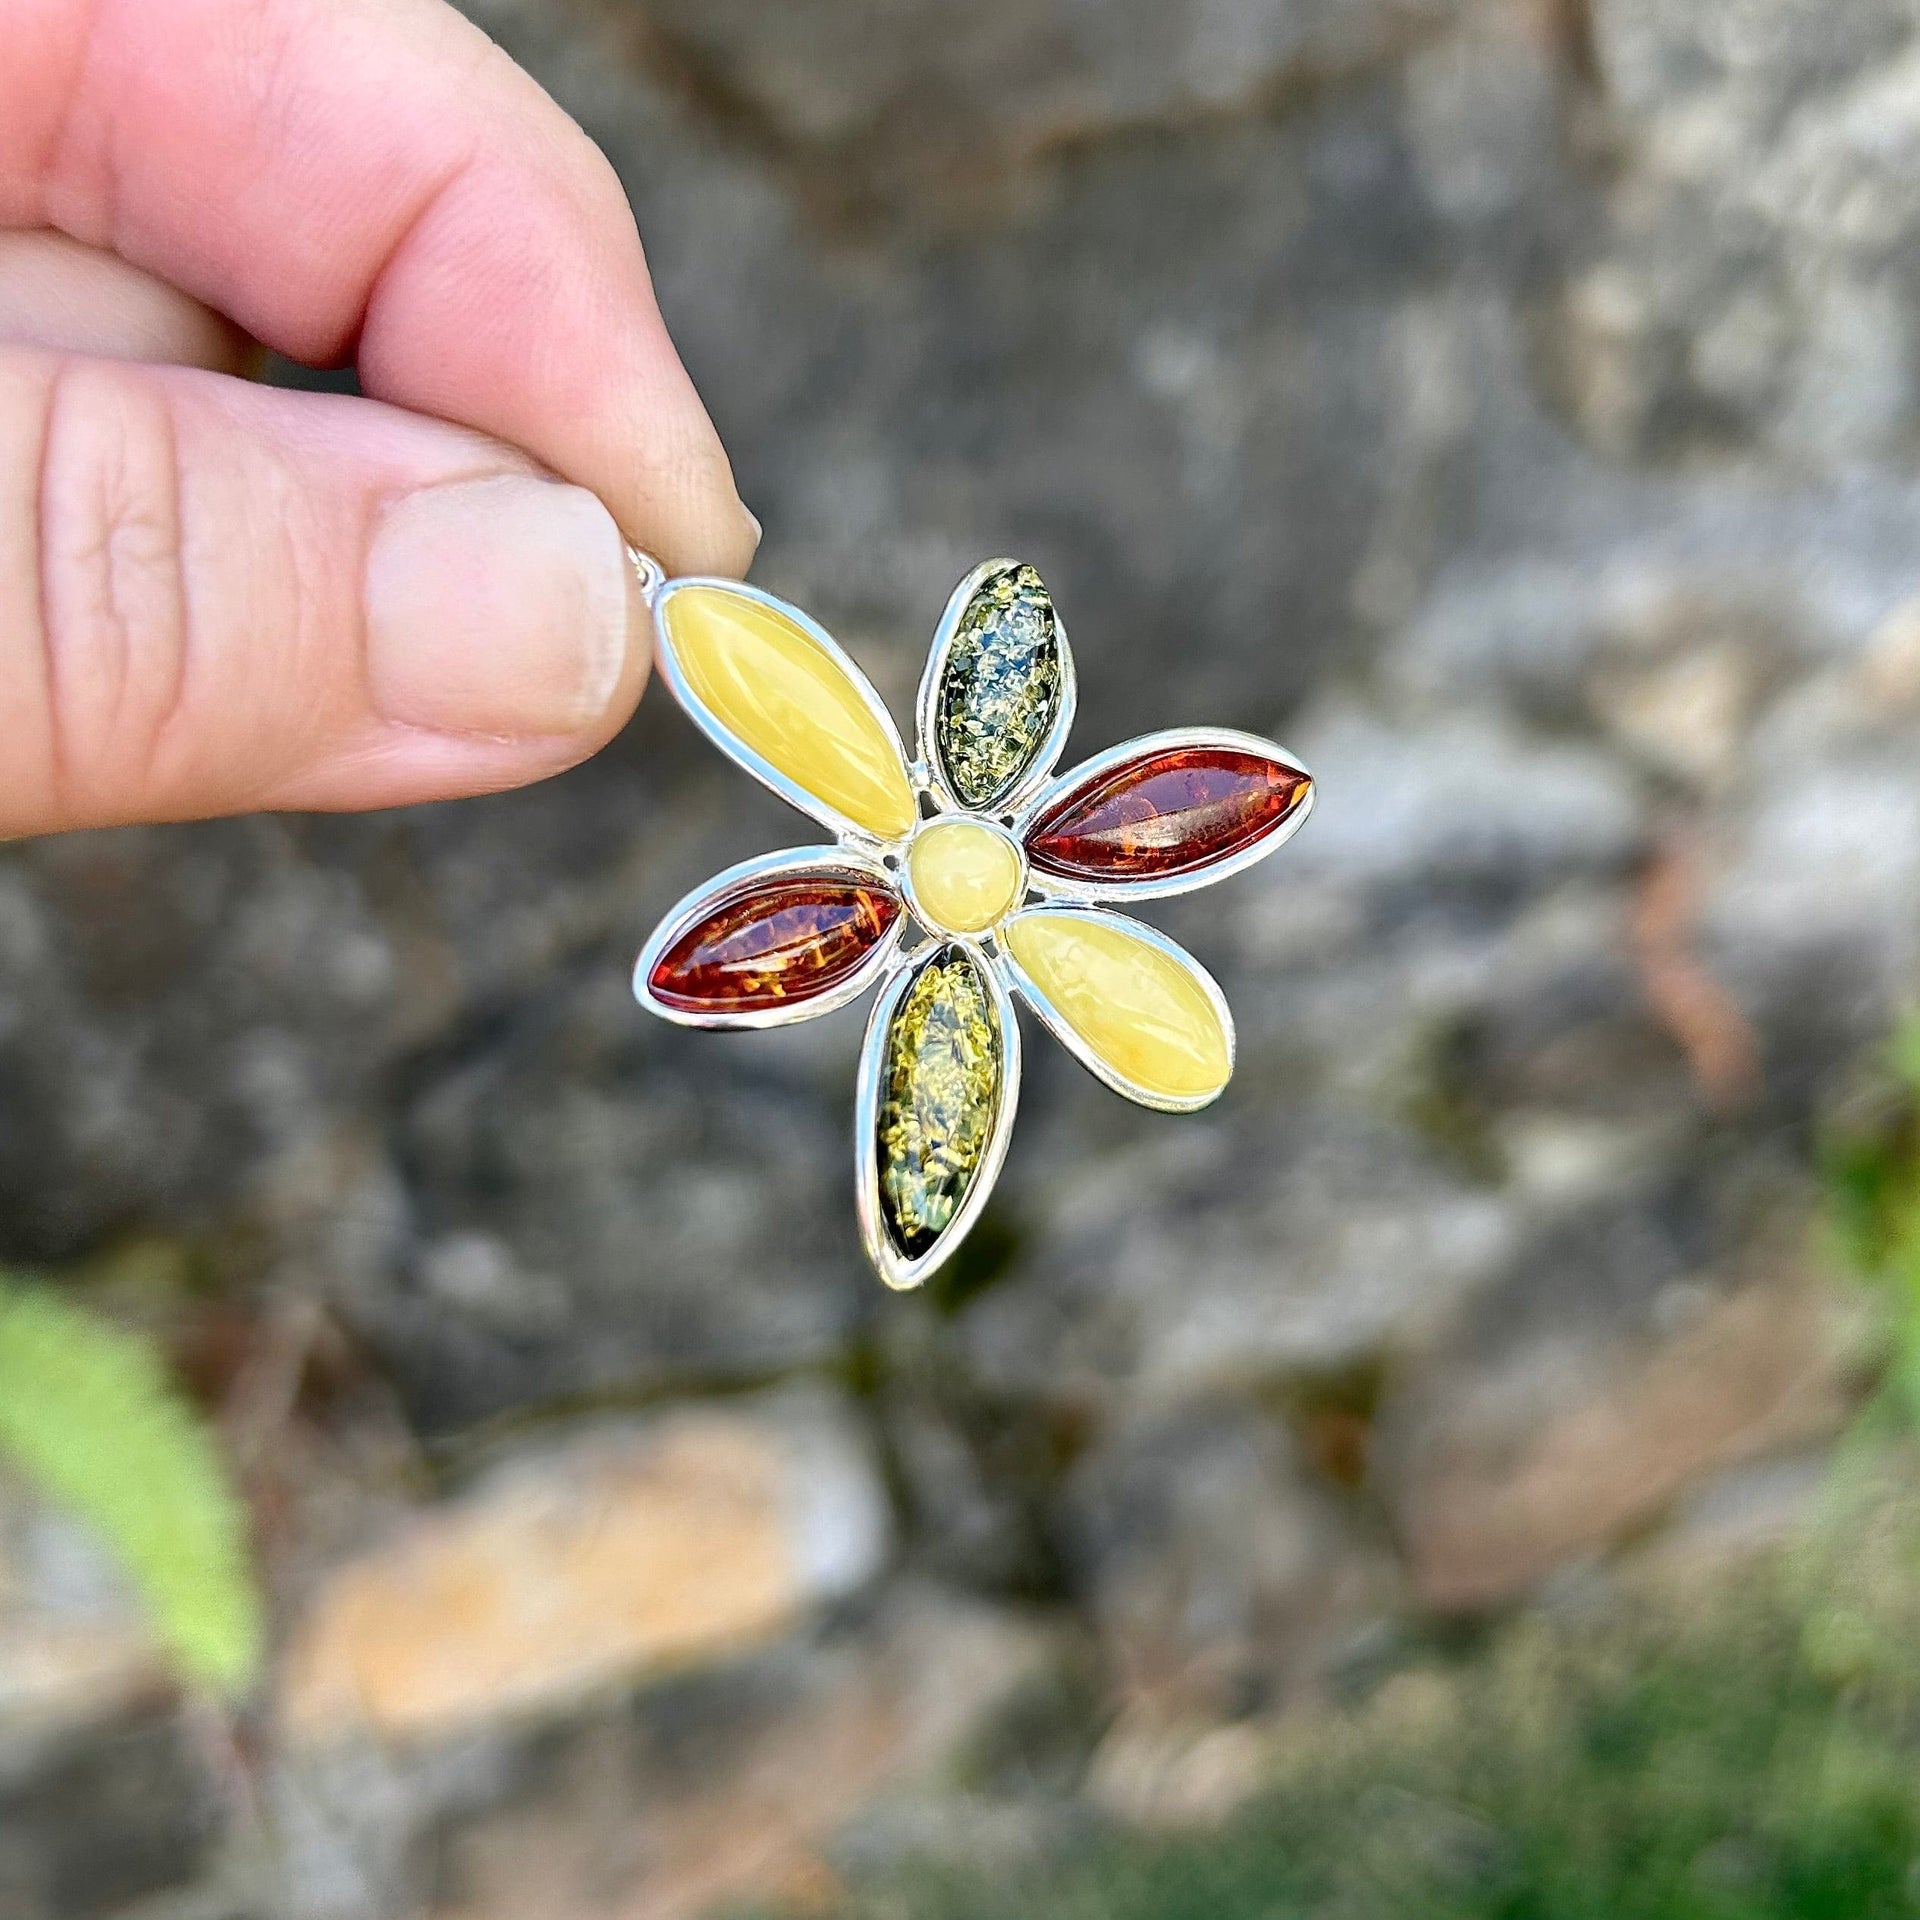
{"x":75,"y":1646}
{"x":1301,"y":1245}
{"x":1755,"y":288}
{"x":736,"y":1786}
{"x":127,"y":1813}
{"x":1209,"y":1560}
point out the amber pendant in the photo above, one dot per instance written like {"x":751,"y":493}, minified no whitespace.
{"x":957,"y":881}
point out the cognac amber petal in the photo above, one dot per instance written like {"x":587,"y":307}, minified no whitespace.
{"x":1001,"y":686}
{"x":778,"y":690}
{"x":1136,"y":1005}
{"x":773,"y":943}
{"x":1165,"y":812}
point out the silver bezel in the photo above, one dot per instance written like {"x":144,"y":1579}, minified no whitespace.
{"x":1056,"y":1024}
{"x":1088,"y":892}
{"x":795,"y":795}
{"x":843,"y":862}
{"x":894,"y":1267}
{"x":927,"y":705}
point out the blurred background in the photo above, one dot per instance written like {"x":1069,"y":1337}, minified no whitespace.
{"x":1465,"y":1471}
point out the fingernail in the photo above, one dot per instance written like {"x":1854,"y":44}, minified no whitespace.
{"x":499,"y":607}
{"x":753,"y":520}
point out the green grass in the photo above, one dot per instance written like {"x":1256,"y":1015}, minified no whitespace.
{"x":1870,"y":1167}
{"x":1747,"y":1751}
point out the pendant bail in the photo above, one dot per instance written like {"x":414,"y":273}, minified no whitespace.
{"x":650,"y":573}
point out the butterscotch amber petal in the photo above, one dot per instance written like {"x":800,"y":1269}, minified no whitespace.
{"x":1142,"y":1011}
{"x":772,"y":687}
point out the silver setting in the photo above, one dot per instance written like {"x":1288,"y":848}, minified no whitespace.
{"x":1056,"y":1023}
{"x":1053,"y":886}
{"x":927,"y":703}
{"x":850,"y":832}
{"x":860,"y":856}
{"x":889,"y":1262}
{"x":648,"y":572}
{"x":838,"y":863}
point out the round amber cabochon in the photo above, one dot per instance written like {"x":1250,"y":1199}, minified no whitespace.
{"x":965,"y":876}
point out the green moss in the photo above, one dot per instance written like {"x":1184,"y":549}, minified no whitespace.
{"x":1443,"y":1103}
{"x":1870,"y":1165}
{"x":984,"y":1258}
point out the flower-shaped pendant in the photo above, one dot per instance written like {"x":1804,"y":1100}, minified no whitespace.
{"x":1006,"y":873}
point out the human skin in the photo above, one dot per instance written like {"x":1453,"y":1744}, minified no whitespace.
{"x":216,"y":596}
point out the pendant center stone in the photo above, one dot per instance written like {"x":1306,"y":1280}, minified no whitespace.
{"x":964,"y":876}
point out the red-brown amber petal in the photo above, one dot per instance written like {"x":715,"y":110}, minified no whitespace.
{"x":774,"y":943}
{"x":1172,"y":811}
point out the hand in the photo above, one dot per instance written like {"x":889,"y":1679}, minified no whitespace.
{"x":216,"y":596}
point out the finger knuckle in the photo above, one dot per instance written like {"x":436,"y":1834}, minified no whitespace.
{"x":113,"y":599}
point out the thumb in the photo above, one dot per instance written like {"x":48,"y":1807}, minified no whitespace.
{"x":216,"y":597}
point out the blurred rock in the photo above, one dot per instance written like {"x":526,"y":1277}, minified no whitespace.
{"x":1215,"y":1569}
{"x":94,"y":1826}
{"x":1551,"y":1447}
{"x":1752,"y":1507}
{"x":735,"y":1789}
{"x":1456,"y":804}
{"x":579,"y":1192}
{"x":1302,"y":1246}
{"x":104,"y":1799}
{"x":1811,"y":911}
{"x":587,"y":1566}
{"x":1164,"y":1773}
{"x":1757,"y":286}
{"x":868,"y":90}
{"x":75,"y":1645}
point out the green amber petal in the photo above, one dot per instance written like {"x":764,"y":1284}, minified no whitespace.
{"x":1001,"y":687}
{"x":939,"y":1098}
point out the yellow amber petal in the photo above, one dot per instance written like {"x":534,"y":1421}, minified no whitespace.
{"x":964,"y":876}
{"x":777,"y":690}
{"x":1136,"y":1007}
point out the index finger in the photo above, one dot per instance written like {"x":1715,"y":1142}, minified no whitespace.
{"x":375,"y":178}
